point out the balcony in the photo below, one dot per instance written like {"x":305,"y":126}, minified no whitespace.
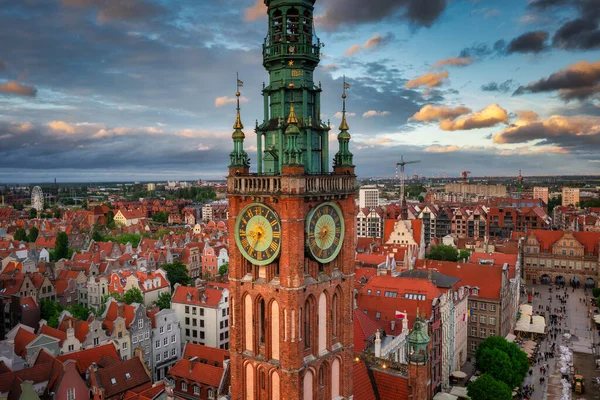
{"x":317,"y":184}
{"x":291,"y":50}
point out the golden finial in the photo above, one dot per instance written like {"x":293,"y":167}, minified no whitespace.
{"x":292,"y":117}
{"x":344,"y":125}
{"x":238,"y":120}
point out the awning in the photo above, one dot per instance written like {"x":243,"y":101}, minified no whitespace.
{"x":459,"y":391}
{"x":444,"y":396}
{"x":510,"y":338}
{"x":597,"y":318}
{"x":459,"y":374}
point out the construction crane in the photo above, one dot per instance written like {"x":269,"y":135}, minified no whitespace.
{"x":465,"y":174}
{"x":402,"y":164}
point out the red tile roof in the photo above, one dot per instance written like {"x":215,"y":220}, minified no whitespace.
{"x":145,"y":394}
{"x":211,"y":354}
{"x":212,"y":296}
{"x":43,"y":241}
{"x":364,"y":328}
{"x":362,"y":387}
{"x":127,"y":375}
{"x":85,"y":358}
{"x":367,"y":298}
{"x":197,"y":371}
{"x":590,"y":240}
{"x":391,"y":386}
{"x":22,"y":339}
{"x":488,"y":278}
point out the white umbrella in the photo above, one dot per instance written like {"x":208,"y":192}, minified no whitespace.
{"x":459,"y":374}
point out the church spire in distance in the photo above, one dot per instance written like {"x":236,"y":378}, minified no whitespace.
{"x":343,"y":158}
{"x":239,"y":157}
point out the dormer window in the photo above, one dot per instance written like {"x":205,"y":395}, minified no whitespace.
{"x":113,"y":381}
{"x":475,"y":292}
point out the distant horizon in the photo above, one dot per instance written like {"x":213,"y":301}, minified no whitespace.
{"x":224,"y":178}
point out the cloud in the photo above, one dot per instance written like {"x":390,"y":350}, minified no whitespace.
{"x":117,"y":10}
{"x":577,"y":81}
{"x":494,"y":12}
{"x":436,"y":148}
{"x":330,"y":67}
{"x":557,"y":129}
{"x":373,"y":113}
{"x":430,"y":80}
{"x":579,"y":34}
{"x":503,"y":87}
{"x":372,"y":43}
{"x":530,"y":42}
{"x":224,"y":100}
{"x":62,"y":127}
{"x":338,"y":114}
{"x":257,"y":11}
{"x":202,"y":147}
{"x":453,"y":61}
{"x":351,"y":12}
{"x":526,"y":150}
{"x":483,"y":50}
{"x":435,"y":113}
{"x":488,"y":117}
{"x":527,"y":115}
{"x":13,"y":87}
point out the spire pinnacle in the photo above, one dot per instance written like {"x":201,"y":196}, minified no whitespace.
{"x":238,"y":120}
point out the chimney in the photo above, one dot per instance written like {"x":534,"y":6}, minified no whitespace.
{"x":377,"y":344}
{"x":192,"y":363}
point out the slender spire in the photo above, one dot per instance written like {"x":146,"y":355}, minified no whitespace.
{"x":343,"y":158}
{"x":239,"y":158}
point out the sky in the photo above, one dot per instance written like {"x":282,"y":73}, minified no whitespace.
{"x":97,"y":90}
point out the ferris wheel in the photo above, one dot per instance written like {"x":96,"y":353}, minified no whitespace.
{"x":37,"y":198}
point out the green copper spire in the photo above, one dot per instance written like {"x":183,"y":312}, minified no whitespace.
{"x":291,"y":154}
{"x":239,"y":158}
{"x":343,"y":157}
{"x":418,"y":342}
{"x":291,"y":53}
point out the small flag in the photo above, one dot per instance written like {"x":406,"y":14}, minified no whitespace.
{"x":346,"y":85}
{"x":400,"y":315}
{"x":465,"y":317}
{"x":240,"y":83}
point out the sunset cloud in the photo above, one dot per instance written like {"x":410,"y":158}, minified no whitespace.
{"x":338,"y":115}
{"x":13,"y":87}
{"x":556,"y":129}
{"x":488,"y":117}
{"x":373,"y":43}
{"x":257,"y":11}
{"x":224,"y":100}
{"x":62,"y":127}
{"x":436,"y":148}
{"x":435,"y":113}
{"x":453,"y":61}
{"x":575,"y":81}
{"x":430,"y":80}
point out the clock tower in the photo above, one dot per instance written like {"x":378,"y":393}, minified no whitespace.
{"x":293,"y":229}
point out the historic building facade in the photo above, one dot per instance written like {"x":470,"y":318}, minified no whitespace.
{"x":292,"y":260}
{"x":562,"y":257}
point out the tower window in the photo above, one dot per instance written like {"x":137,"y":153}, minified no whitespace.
{"x":307,"y":324}
{"x":261,"y":321}
{"x":292,"y":25}
{"x":322,"y":376}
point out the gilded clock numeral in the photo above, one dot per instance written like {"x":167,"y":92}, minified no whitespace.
{"x":274,"y":222}
{"x":242,"y":232}
{"x":336,"y":240}
{"x":245,"y":243}
{"x":276,"y":235}
{"x":273,"y":246}
{"x":259,"y":255}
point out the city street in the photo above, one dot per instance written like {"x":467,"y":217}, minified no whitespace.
{"x":575,"y":320}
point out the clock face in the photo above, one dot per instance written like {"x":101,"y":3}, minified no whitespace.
{"x":258,"y":233}
{"x":325,"y":232}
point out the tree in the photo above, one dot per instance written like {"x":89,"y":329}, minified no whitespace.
{"x":488,"y":388}
{"x":79,"y":311}
{"x":20,"y":235}
{"x":32,"y":213}
{"x":57,"y":213}
{"x":464,"y":254}
{"x":133,"y":295}
{"x":33,"y":234}
{"x":164,"y":300}
{"x":97,"y":237}
{"x":596,"y":292}
{"x":223,"y":269}
{"x":61,"y":248}
{"x":110,"y":220}
{"x":504,"y":361}
{"x":49,"y":309}
{"x":18,"y":206}
{"x":442,"y":253}
{"x":177,"y":272}
{"x":557,"y":201}
{"x":162,"y":217}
